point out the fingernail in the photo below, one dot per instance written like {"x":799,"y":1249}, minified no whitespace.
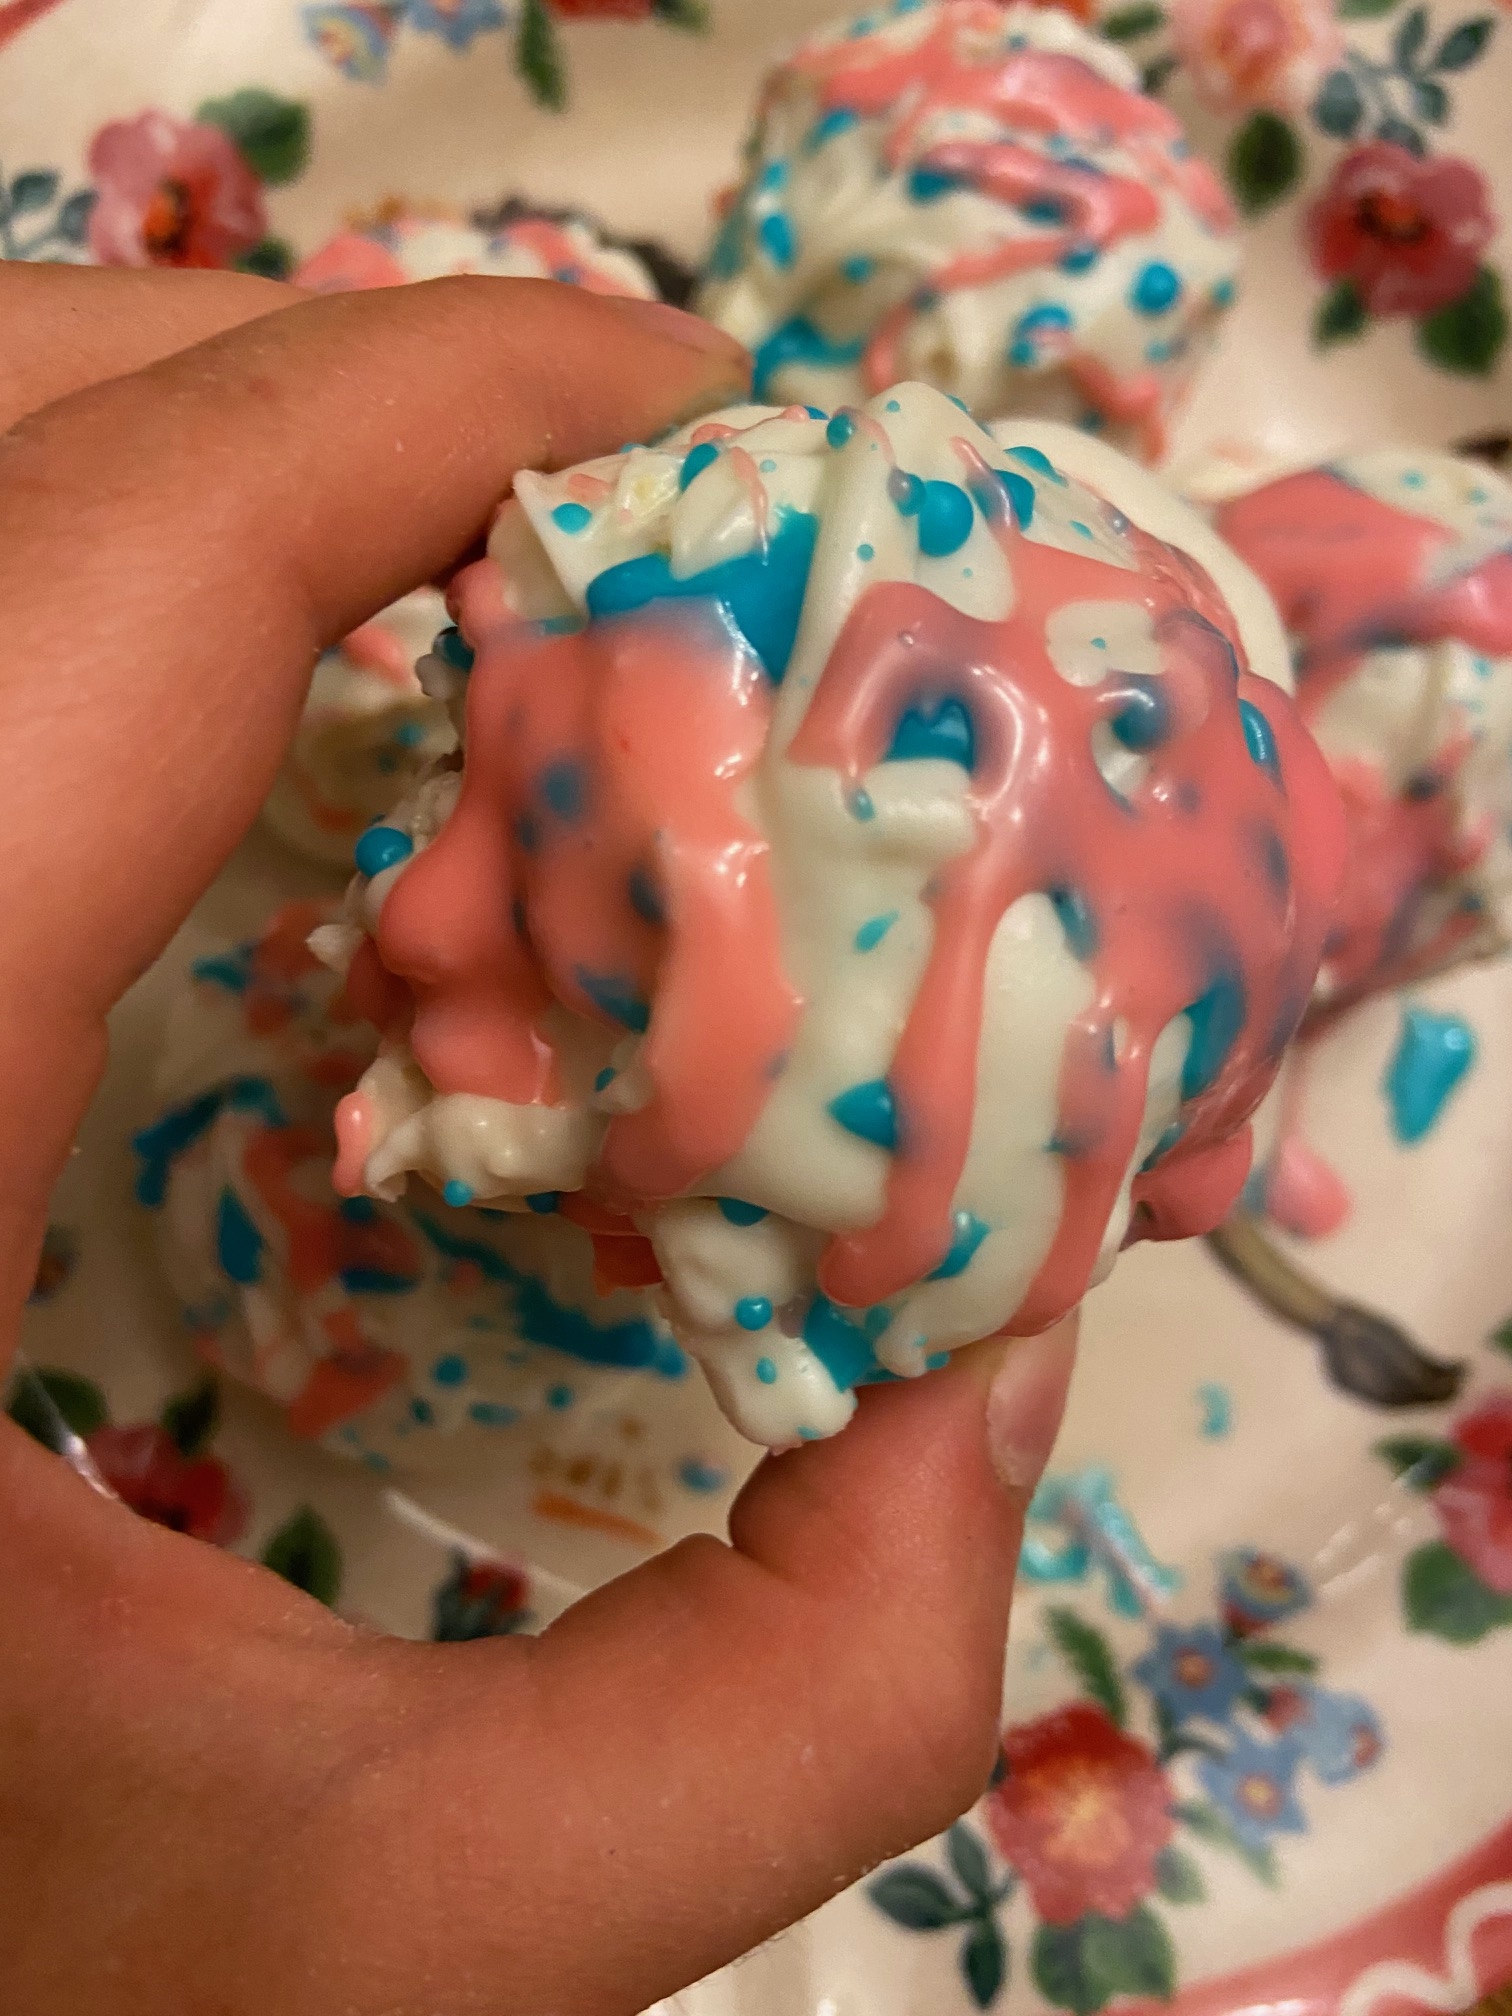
{"x":692,"y":331}
{"x":1025,"y":1403}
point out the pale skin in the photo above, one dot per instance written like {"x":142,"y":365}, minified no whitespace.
{"x":216,"y":1798}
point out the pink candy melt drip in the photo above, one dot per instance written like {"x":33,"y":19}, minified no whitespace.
{"x":608,"y":763}
{"x":1038,"y":92}
{"x":1350,"y":574}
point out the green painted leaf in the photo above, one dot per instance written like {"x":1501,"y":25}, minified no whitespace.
{"x":1177,"y":1877}
{"x":1209,"y":1825}
{"x":273,"y":258}
{"x":1338,"y":107}
{"x":1501,"y":1339}
{"x":538,"y":56}
{"x":1442,"y":1594}
{"x":1058,"y":1961}
{"x":1264,"y":1655}
{"x":1264,"y":162}
{"x":1340,"y":315}
{"x":984,"y":1962}
{"x":917,"y":1898}
{"x":191,"y":1418}
{"x":1131,"y":1956}
{"x":1086,"y":1651}
{"x":72,"y":224}
{"x":1155,"y":74}
{"x":1467,"y":336}
{"x":1364,"y":10}
{"x":1127,"y":24}
{"x":1464,"y":45}
{"x":33,"y":189}
{"x":692,"y":15}
{"x":1420,"y":1461}
{"x":1398,"y":133}
{"x":306,"y":1552}
{"x":39,"y":1398}
{"x":271,"y":134}
{"x":1411,"y":34}
{"x":968,"y":1858}
{"x":1430,"y":100}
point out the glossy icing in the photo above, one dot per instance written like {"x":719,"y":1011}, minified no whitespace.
{"x":1392,"y":572}
{"x":903,"y":852}
{"x":979,"y":196}
{"x":401,"y":243}
{"x":408,"y":1334}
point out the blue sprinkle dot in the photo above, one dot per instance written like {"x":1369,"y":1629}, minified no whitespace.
{"x":1259,"y":739}
{"x":605,"y":1077}
{"x":697,"y":1475}
{"x":945,"y":732}
{"x":449,"y":644}
{"x":358,"y":1210}
{"x":1043,"y":210}
{"x":1143,"y":720}
{"x":450,"y":1370}
{"x":1076,"y":920}
{"x":894,"y":407}
{"x":778,"y":239}
{"x":739,"y":1212}
{"x":457,"y":1193}
{"x":866,"y":551}
{"x":559,"y":1397}
{"x":946,"y":516}
{"x":1020,"y":494}
{"x":858,"y":270}
{"x":874,"y":930}
{"x":1078,"y":526}
{"x":816,"y":412}
{"x":862,"y":807}
{"x":868,"y":1111}
{"x":696,"y":461}
{"x":935,"y":1361}
{"x":645,"y":897}
{"x":572,"y":517}
{"x":382,"y":847}
{"x":1413,"y":479}
{"x":492,"y":1414}
{"x":564,"y":788}
{"x":1077,"y":258}
{"x":1433,"y":1054}
{"x":840,"y":429}
{"x":409,"y":734}
{"x":767,"y":466}
{"x":753,"y":1312}
{"x":1021,"y":354}
{"x":1037,"y":460}
{"x":1156,"y":288}
{"x":810,"y":1435}
{"x":527,"y":832}
{"x":423,"y":1412}
{"x":773,"y":175}
{"x":542,"y":1202}
{"x":928,"y":185}
{"x":766,"y":1371}
{"x":1223,"y":293}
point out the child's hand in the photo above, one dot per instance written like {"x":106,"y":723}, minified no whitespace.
{"x":217,"y":1797}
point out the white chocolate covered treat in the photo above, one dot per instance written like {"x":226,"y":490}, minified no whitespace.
{"x":367,"y":734}
{"x":1392,"y":571}
{"x":404,"y":243}
{"x":978,"y":196}
{"x":885,"y":873}
{"x":409,"y":1334}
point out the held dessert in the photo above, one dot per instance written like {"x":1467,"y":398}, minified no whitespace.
{"x":980,"y":197}
{"x":882,"y":873}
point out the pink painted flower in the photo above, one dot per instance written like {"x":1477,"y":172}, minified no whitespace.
{"x":1406,"y":234}
{"x":1474,"y":1502}
{"x":171,"y":194}
{"x":191,"y":1494}
{"x":602,"y":10}
{"x":352,"y":260}
{"x":1246,"y":53}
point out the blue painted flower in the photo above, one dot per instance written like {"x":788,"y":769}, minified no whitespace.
{"x":1191,"y":1671}
{"x":355,"y":38}
{"x":1259,"y":1590}
{"x":457,"y":22}
{"x":1253,"y":1785}
{"x":1339,"y":1735}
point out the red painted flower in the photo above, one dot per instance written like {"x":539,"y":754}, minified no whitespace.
{"x":602,"y":10}
{"x":192,"y":1494}
{"x":171,"y":194}
{"x":1407,"y":234}
{"x":1474,"y":1502}
{"x":1082,"y":1813}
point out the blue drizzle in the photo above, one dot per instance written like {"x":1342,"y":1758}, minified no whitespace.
{"x":453,"y":649}
{"x":928,"y":185}
{"x":841,"y":1344}
{"x":645,"y":897}
{"x":778,"y":239}
{"x":833,"y":123}
{"x":159,"y":1146}
{"x":615,"y":996}
{"x":967,"y":1233}
{"x":1433,"y":1054}
{"x":696,"y":461}
{"x":760,"y":592}
{"x":945,"y":732}
{"x":1020,"y":494}
{"x":1076,"y":920}
{"x":738,"y":1212}
{"x":869,"y":1112}
{"x":1039,"y":461}
{"x":1216,"y":1018}
{"x":231,"y":970}
{"x":541,"y":1319}
{"x":870,"y":934}
{"x":238,"y":1243}
{"x":1260,"y":740}
{"x":798,"y":341}
{"x":1217,"y":1404}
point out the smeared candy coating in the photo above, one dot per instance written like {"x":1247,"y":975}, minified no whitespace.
{"x":1392,"y":571}
{"x":885,"y":870}
{"x":978,"y":196}
{"x":399,"y":1333}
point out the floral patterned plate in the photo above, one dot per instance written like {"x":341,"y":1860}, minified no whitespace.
{"x":1256,"y":1750}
